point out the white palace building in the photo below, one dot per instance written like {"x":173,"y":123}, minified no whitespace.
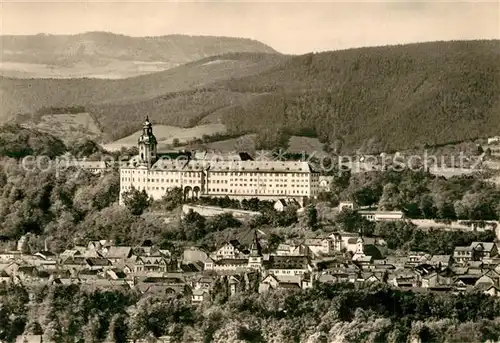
{"x":203,"y":174}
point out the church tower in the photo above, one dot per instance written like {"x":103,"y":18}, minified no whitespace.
{"x":360,"y":247}
{"x":147,"y":144}
{"x":360,"y":243}
{"x":255,"y":257}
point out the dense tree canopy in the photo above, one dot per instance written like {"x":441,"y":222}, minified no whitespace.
{"x":370,"y":313}
{"x":19,"y":142}
{"x":420,"y":194}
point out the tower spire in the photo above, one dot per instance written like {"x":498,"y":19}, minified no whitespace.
{"x":255,"y":249}
{"x":147,"y":143}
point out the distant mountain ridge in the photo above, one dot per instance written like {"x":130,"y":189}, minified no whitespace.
{"x":95,"y":54}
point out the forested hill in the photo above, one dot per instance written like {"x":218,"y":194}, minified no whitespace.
{"x":383,"y":98}
{"x":109,"y":55}
{"x":19,"y":142}
{"x":393,"y":97}
{"x":45,"y":48}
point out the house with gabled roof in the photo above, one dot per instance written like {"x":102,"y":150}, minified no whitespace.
{"x":191,"y":268}
{"x":488,"y":289}
{"x":209,"y":263}
{"x":205,"y":282}
{"x":30,"y":273}
{"x":40,"y":261}
{"x":46,"y":255}
{"x":161,"y":285}
{"x":406,"y":278}
{"x":430,"y":280}
{"x":338,"y":262}
{"x":4,"y":277}
{"x":234,"y":283}
{"x":151,"y":264}
{"x":417,"y":257}
{"x":462,"y":255}
{"x":12,"y":268}
{"x":86,"y":274}
{"x":229,"y":264}
{"x":284,"y":249}
{"x":199,"y":295}
{"x":68,"y":253}
{"x":320,"y":246}
{"x":285,"y":282}
{"x":369,"y":277}
{"x":271,"y":281}
{"x":300,"y":250}
{"x":97,"y":263}
{"x":116,"y":274}
{"x":281,"y":204}
{"x":162,"y":288}
{"x":99,"y":244}
{"x":441,"y":261}
{"x":7,"y":256}
{"x":460,"y":286}
{"x":484,"y":250}
{"x":229,"y":250}
{"x":80,"y":263}
{"x":118,"y":254}
{"x":477,"y":251}
{"x":288,"y":265}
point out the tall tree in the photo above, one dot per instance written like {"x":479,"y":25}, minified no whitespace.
{"x":312,"y":217}
{"x":136,"y":201}
{"x":117,"y":331}
{"x":92,"y":330}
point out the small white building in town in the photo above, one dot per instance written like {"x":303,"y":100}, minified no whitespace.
{"x":229,"y":250}
{"x":493,"y":140}
{"x":349,"y":241}
{"x":325,"y":183}
{"x":349,"y":205}
{"x":320,"y":246}
{"x":281,"y":204}
{"x":382,"y":215}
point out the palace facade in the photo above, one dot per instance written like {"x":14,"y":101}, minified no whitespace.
{"x":202,"y":174}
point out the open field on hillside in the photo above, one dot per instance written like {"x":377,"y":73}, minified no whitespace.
{"x":450,"y":172}
{"x":244,"y":143}
{"x":299,"y":144}
{"x":111,"y":70}
{"x":109,"y":56}
{"x":296,"y":144}
{"x":165,"y":135}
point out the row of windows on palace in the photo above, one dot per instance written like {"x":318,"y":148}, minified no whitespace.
{"x":264,"y":185}
{"x":226,"y":190}
{"x":214,"y":181}
{"x":198,"y":174}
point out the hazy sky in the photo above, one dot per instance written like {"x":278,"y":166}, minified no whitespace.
{"x":289,"y":27}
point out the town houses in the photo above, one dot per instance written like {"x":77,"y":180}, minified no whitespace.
{"x":292,"y":264}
